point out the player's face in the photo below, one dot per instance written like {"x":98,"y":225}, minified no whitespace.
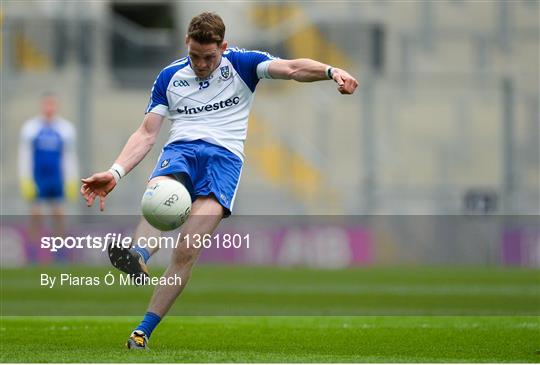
{"x":204,"y":58}
{"x":49,"y":107}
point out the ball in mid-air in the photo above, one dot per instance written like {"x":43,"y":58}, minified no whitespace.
{"x":166,"y":204}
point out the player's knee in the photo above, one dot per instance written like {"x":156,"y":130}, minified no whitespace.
{"x":57,"y":211}
{"x":208,"y":206}
{"x":36,"y":211}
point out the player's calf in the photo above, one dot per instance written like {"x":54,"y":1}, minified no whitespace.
{"x":185,"y":256}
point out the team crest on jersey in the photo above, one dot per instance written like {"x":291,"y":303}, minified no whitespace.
{"x":164,"y":163}
{"x":225,"y":72}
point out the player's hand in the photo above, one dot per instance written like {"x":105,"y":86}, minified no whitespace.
{"x":97,"y":185}
{"x":346,"y":83}
{"x":28,"y":189}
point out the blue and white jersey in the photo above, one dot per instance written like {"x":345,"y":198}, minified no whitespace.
{"x":47,"y":152}
{"x":214,"y":109}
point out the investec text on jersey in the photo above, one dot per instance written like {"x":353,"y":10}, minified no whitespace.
{"x":209,"y":107}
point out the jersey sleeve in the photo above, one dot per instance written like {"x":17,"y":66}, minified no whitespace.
{"x":245,"y":63}
{"x":158,"y":96}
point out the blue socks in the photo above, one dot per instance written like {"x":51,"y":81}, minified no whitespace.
{"x":143,"y":252}
{"x":150,"y":320}
{"x":149,"y":323}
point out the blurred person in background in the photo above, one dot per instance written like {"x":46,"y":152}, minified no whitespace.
{"x":207,"y":96}
{"x":48,"y":167}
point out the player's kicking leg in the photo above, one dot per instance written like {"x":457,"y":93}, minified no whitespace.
{"x":133,"y":260}
{"x":206,"y":213}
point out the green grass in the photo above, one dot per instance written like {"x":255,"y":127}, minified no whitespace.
{"x":232,"y":290}
{"x":282,"y":315}
{"x":275,"y":339}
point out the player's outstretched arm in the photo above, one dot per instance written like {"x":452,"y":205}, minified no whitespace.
{"x":307,"y":70}
{"x":139,"y":144}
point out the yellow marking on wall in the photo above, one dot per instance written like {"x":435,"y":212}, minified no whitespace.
{"x":279,"y":164}
{"x":284,"y":167}
{"x":28,"y":56}
{"x":308,"y":41}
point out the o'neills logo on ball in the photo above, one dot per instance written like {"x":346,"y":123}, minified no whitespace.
{"x":209,"y":107}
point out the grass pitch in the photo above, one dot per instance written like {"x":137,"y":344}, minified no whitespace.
{"x":354,"y":315}
{"x":275,"y":339}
